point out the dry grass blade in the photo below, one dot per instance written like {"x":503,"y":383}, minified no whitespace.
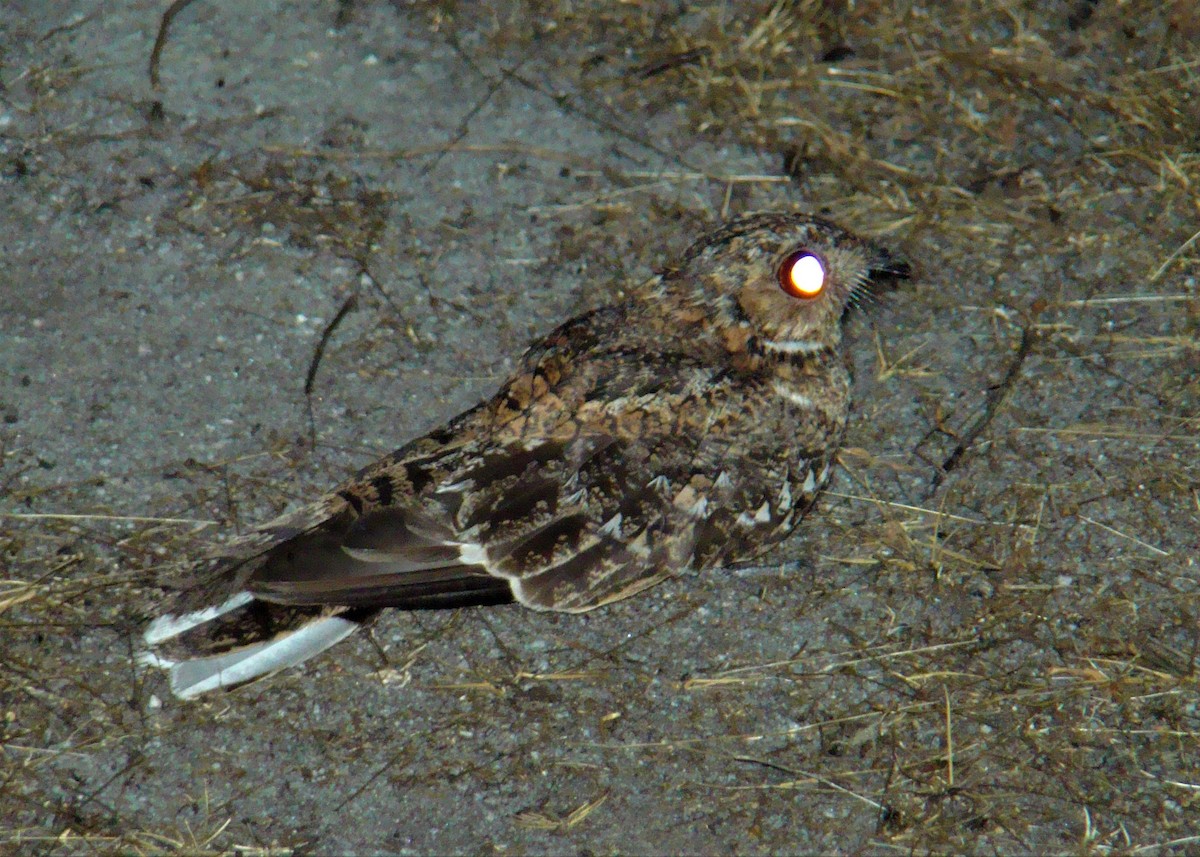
{"x":811,"y":777}
{"x":135,"y":519}
{"x":543,"y":821}
{"x":14,"y":592}
{"x":1175,"y":254}
{"x":1126,"y":536}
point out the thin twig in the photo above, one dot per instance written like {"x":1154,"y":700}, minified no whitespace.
{"x":664,"y":64}
{"x":310,"y":378}
{"x":67,"y":27}
{"x":464,"y":126}
{"x":995,"y":400}
{"x":160,"y":40}
{"x":571,"y":107}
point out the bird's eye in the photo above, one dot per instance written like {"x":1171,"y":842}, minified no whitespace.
{"x":802,"y":275}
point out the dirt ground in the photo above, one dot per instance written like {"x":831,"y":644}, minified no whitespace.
{"x":984,"y":640}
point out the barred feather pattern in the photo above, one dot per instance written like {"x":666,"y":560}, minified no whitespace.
{"x":691,"y":426}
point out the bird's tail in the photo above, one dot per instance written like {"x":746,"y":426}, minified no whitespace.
{"x":240,"y":640}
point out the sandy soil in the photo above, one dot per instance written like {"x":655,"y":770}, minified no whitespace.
{"x":984,"y":640}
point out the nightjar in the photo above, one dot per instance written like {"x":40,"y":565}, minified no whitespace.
{"x":689,"y":426}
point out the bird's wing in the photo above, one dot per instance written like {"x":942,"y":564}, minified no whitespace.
{"x":580,"y":483}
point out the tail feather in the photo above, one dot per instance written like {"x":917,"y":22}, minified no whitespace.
{"x":169,"y":627}
{"x":190,"y":677}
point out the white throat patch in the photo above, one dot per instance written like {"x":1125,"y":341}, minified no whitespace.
{"x":794,"y":346}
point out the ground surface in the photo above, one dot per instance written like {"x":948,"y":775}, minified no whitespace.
{"x":984,"y":640}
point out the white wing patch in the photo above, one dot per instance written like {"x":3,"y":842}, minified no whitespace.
{"x":473,"y":554}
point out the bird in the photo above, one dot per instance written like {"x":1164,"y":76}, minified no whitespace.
{"x":688,"y":426}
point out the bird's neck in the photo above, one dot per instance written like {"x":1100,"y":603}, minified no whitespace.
{"x":671,"y":312}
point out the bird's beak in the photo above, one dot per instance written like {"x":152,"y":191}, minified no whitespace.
{"x":886,"y":265}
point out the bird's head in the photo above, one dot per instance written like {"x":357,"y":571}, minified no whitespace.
{"x":791,"y":278}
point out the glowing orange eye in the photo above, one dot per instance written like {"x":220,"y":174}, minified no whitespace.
{"x":802,"y":275}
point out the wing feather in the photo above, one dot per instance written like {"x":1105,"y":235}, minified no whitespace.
{"x":619,"y":483}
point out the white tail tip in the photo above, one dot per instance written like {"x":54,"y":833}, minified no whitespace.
{"x":168,"y":627}
{"x":192,"y":677}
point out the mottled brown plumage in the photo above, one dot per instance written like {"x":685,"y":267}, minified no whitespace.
{"x":690,"y":426}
